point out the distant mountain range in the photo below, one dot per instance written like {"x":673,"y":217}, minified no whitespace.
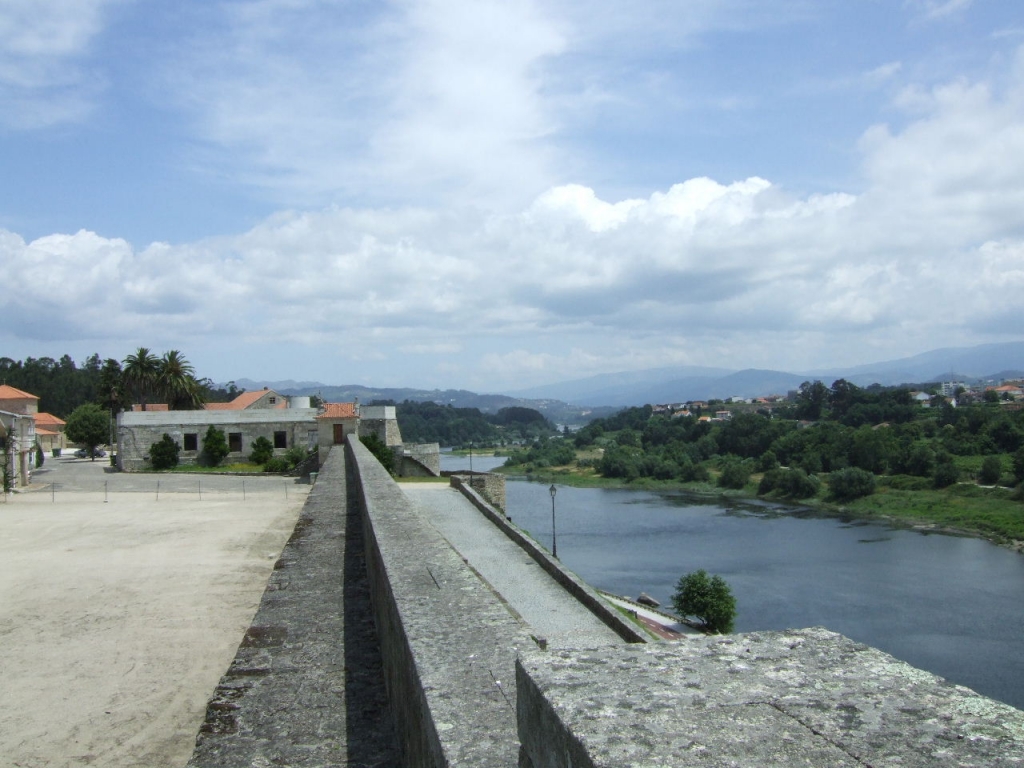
{"x":567,"y":401}
{"x":666,"y":385}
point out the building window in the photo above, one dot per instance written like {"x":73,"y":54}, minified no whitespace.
{"x":273,"y":401}
{"x":312,"y":439}
{"x":191,"y":441}
{"x":235,"y":442}
{"x":280,"y":439}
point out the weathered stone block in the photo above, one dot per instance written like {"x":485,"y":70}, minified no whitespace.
{"x":804,"y":697}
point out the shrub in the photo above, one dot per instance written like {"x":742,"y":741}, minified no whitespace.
{"x":789,"y":483}
{"x":906,"y":483}
{"x":215,"y":447}
{"x":735,"y":474}
{"x":767,"y":462}
{"x":39,"y":456}
{"x":709,"y":599}
{"x":1018,"y":465}
{"x":296,"y":455}
{"x":946,"y":472}
{"x":163,"y":454}
{"x":851,"y":483}
{"x":276,"y":464}
{"x":991,"y":470}
{"x":262,"y":450}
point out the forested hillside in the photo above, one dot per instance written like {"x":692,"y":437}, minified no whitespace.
{"x":426,"y":422}
{"x":836,"y":444}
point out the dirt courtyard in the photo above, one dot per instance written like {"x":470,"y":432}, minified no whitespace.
{"x":119,"y":616}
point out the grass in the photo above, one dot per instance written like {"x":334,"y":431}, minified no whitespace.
{"x":965,"y":507}
{"x":238,"y":468}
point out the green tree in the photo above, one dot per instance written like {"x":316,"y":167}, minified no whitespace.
{"x":262,"y":450}
{"x":176,"y":382}
{"x":163,"y":454}
{"x":811,"y":399}
{"x":946,"y":473}
{"x":788,"y":483}
{"x":708,"y":599}
{"x":1018,"y":465}
{"x":735,"y":474}
{"x":110,"y":389}
{"x":379,"y":449}
{"x":991,"y":470}
{"x":215,"y":446}
{"x":140,"y":374}
{"x":88,"y":425}
{"x":850,"y":483}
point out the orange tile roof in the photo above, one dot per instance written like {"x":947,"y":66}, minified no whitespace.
{"x":46,"y":432}
{"x":48,"y":419}
{"x":338,"y":411}
{"x":8,"y":392}
{"x":245,"y":400}
{"x":137,"y":407}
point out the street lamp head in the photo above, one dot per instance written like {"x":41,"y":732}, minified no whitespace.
{"x":552,"y":490}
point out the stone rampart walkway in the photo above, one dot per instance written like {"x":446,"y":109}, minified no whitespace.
{"x":306,"y":687}
{"x":543,"y":604}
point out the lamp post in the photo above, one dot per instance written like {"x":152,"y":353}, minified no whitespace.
{"x":554,"y":536}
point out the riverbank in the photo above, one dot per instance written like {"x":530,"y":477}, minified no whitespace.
{"x":964,"y":509}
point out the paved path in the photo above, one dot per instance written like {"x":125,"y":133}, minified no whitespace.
{"x":543,"y":604}
{"x":657,"y":622}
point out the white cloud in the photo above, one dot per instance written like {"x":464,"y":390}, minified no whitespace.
{"x":937,"y":9}
{"x":44,"y":79}
{"x":929,"y":254}
{"x":433,"y":99}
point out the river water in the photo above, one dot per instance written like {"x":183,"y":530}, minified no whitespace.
{"x":949,"y":604}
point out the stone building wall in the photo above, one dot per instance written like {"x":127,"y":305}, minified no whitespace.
{"x":137,"y":431}
{"x":381,"y":420}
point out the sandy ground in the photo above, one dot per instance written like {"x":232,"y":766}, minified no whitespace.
{"x":118,"y":617}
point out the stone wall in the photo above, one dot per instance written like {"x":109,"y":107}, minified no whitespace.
{"x":137,"y":431}
{"x":448,"y":643}
{"x":381,"y":420}
{"x":487,"y":484}
{"x":802,"y":697}
{"x":418,"y":460}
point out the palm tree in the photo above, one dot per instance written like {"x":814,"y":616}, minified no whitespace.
{"x":140,"y":373}
{"x":176,"y":380}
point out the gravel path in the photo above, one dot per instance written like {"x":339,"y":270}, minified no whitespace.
{"x":544,"y":605}
{"x":118,"y":615}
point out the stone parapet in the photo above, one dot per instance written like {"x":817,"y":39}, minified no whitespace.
{"x":801,"y":697}
{"x":449,"y":644}
{"x":419,"y":459}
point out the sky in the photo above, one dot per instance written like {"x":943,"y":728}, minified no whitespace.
{"x":497,"y":195}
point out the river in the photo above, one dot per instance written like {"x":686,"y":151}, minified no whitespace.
{"x":952,"y":605}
